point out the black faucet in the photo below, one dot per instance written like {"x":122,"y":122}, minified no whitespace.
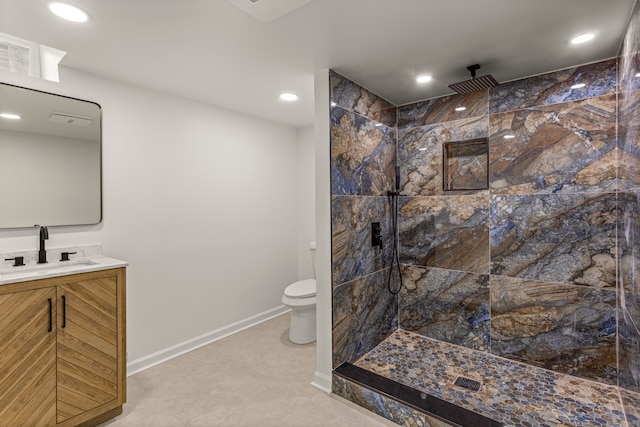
{"x":42,"y":253}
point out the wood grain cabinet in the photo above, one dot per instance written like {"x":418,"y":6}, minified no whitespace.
{"x":62,"y":350}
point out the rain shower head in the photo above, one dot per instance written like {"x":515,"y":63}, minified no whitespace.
{"x":475,"y":83}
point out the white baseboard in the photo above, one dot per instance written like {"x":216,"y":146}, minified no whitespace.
{"x":158,"y":357}
{"x":322,"y":381}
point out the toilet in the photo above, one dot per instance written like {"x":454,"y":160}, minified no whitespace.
{"x":300,"y":297}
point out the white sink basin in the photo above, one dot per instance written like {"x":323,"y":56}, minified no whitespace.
{"x":58,"y":268}
{"x":45,"y":268}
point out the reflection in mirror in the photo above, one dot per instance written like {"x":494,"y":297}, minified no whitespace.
{"x":50,"y":159}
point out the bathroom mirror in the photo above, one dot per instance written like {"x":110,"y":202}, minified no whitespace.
{"x":50,"y":159}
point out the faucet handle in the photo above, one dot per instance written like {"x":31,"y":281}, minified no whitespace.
{"x":17,"y":261}
{"x":64,"y":256}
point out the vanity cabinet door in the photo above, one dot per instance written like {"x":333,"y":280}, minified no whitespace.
{"x":87,"y":345}
{"x":28,"y":358}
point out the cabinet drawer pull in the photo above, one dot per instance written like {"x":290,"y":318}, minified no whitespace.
{"x":50,"y":315}
{"x":64,"y":311}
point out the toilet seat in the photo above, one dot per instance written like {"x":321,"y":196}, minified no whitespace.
{"x":302,"y":289}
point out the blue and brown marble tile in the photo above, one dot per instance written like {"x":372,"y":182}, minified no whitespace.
{"x":352,"y":255}
{"x":629,"y":58}
{"x":629,"y":352}
{"x":554,"y":88}
{"x":363,"y":155}
{"x":385,"y":407}
{"x":561,"y":238}
{"x":629,"y":254}
{"x":629,"y":270}
{"x":568,"y":329}
{"x":364,"y":314}
{"x":629,"y":139}
{"x":447,"y":305}
{"x":420,"y":153}
{"x":355,"y":98}
{"x":443,"y":109}
{"x":445,"y":232}
{"x":629,"y":230}
{"x":628,"y":66}
{"x":562,"y":148}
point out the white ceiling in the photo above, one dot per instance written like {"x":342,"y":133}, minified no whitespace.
{"x":214,"y":52}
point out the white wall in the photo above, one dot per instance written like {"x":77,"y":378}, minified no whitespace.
{"x":322,"y":376}
{"x":306,"y":191}
{"x":201,"y":201}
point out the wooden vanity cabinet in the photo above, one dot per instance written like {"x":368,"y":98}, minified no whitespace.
{"x":62,"y":350}
{"x":27,"y":358}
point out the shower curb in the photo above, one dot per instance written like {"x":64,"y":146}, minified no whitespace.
{"x":409,"y":398}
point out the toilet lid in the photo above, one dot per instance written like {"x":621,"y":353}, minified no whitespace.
{"x":301,"y":289}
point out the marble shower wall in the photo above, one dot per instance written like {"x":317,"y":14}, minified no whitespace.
{"x":525,"y":269}
{"x":629,"y":200}
{"x":363,"y":160}
{"x":444,"y":235}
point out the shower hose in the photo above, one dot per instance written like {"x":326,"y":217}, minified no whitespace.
{"x":395,"y":261}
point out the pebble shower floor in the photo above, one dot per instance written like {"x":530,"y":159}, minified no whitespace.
{"x":512,"y":393}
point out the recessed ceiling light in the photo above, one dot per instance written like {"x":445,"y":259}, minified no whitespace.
{"x":578,"y":86}
{"x":68,"y":11}
{"x":289,"y":96}
{"x":424,"y":78}
{"x":582,"y":38}
{"x":461,"y":108}
{"x":637,"y":74}
{"x":10,"y":116}
{"x":509,"y":136}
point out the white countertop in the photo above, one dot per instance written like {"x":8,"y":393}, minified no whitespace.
{"x":59,"y":268}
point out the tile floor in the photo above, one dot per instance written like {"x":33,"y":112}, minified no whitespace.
{"x":253,"y":378}
{"x":512,"y":393}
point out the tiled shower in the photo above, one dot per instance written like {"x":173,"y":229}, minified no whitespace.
{"x":518,"y":223}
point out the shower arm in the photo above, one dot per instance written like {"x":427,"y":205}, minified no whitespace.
{"x":472,"y":69}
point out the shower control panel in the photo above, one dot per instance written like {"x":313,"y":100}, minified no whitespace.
{"x":376,"y":235}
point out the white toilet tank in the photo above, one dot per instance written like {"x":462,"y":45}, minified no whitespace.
{"x":312,"y":247}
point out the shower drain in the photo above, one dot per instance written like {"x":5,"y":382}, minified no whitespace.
{"x":467,"y":383}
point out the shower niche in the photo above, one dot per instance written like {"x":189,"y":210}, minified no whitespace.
{"x":465,"y":165}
